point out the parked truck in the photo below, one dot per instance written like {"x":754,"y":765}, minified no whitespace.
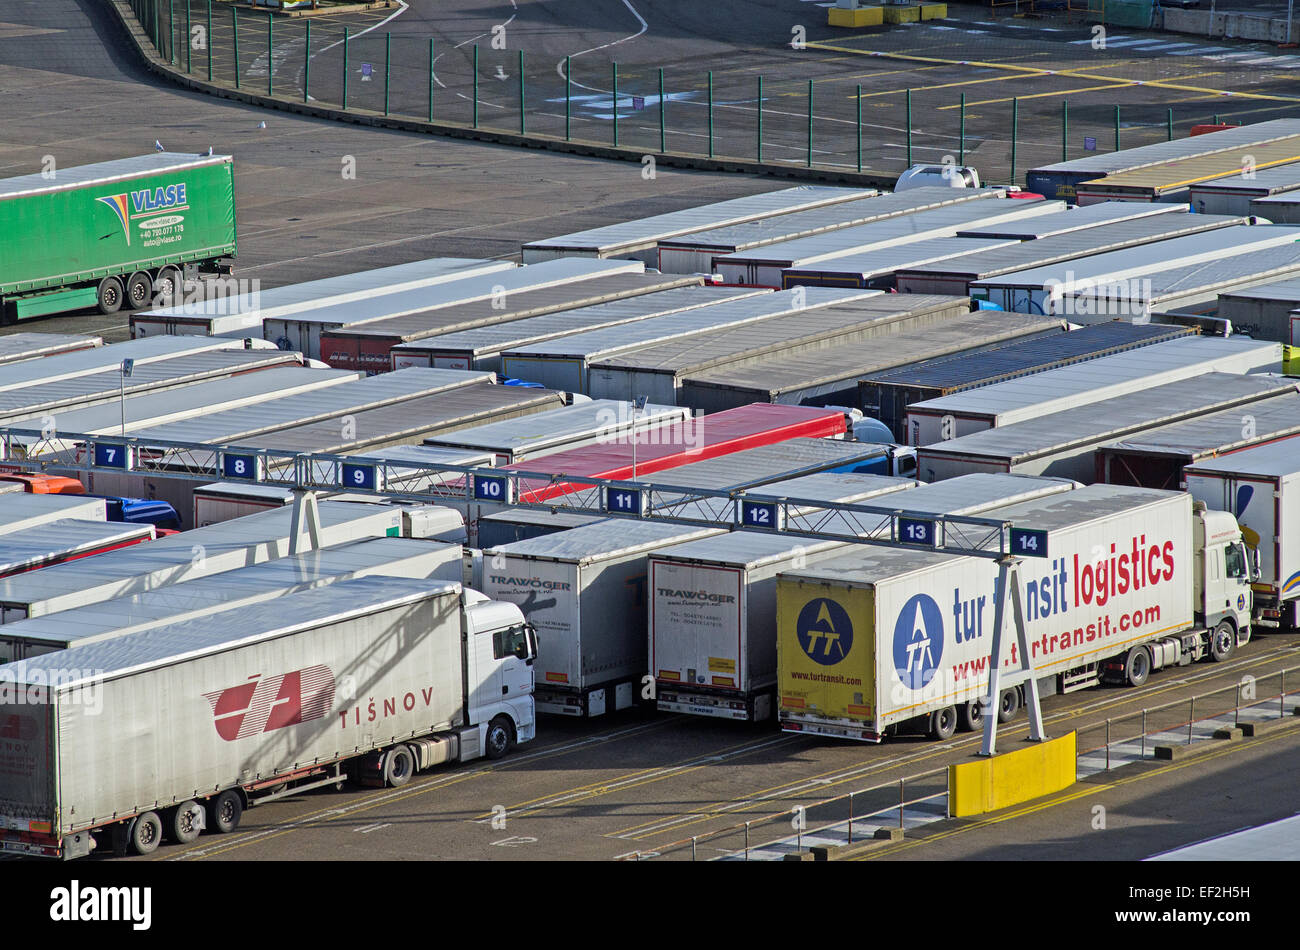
{"x":179,"y":729}
{"x":899,"y":640}
{"x":113,"y":235}
{"x":1260,"y":487}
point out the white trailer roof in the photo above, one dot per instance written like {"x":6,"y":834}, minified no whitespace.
{"x":20,"y":511}
{"x":978,"y":492}
{"x":746,"y":549}
{"x":837,"y":487}
{"x":163,"y":646}
{"x":560,"y":428}
{"x":1262,"y":181}
{"x":647,"y":231}
{"x":348,"y":397}
{"x":155,"y":163}
{"x":1058,"y":389}
{"x":1275,"y":841}
{"x":1276,"y":460}
{"x":613,"y":537}
{"x":1112,"y":418}
{"x":26,"y":346}
{"x":220,"y":592}
{"x":788,"y":227}
{"x":937,"y":223}
{"x":1074,"y":219}
{"x":883,"y":261}
{"x":335,"y":290}
{"x":58,"y":539}
{"x":1275,"y":418}
{"x":1282,"y":290}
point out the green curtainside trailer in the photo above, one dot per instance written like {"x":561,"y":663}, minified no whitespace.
{"x":113,"y":235}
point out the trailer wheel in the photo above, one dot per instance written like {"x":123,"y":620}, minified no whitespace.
{"x":167,"y":286}
{"x":139,"y":288}
{"x":146,"y":833}
{"x":186,"y":822}
{"x":943,"y":723}
{"x":109,"y":296}
{"x":970,"y":716}
{"x":399,"y":766}
{"x":224,"y":812}
{"x":1223,"y":641}
{"x":500,"y":737}
{"x":1008,"y":705}
{"x":1137,"y":666}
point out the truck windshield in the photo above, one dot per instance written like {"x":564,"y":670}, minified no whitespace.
{"x":1234,"y":561}
{"x":510,"y":642}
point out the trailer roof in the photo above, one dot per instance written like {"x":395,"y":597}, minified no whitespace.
{"x":1030,"y":356}
{"x":896,"y":313}
{"x":746,"y":549}
{"x":1073,"y":244}
{"x":519,"y":305}
{"x":1113,"y":418}
{"x":800,"y":224}
{"x":1055,"y":389}
{"x":1275,"y":460}
{"x":103,"y":173}
{"x":904,"y":229}
{"x":26,"y":346}
{"x":337,"y":289}
{"x":837,"y":487}
{"x":601,"y":540}
{"x":1284,"y":200}
{"x":19,"y":507}
{"x":1079,"y":507}
{"x":561,"y":426}
{"x":566,"y":519}
{"x":1219,"y":432}
{"x":977,"y":492}
{"x":1206,"y":278}
{"x":883,"y":261}
{"x":611,"y":340}
{"x":1149,"y":259}
{"x":1158,"y":179}
{"x":518,"y":333}
{"x":789,"y":373}
{"x":349,"y":397}
{"x":430,"y":455}
{"x":240,"y":626}
{"x":1282,"y":290}
{"x":643,"y":231}
{"x":1073,"y":219}
{"x":498,"y":284}
{"x":1263,"y":181}
{"x":770,"y":463}
{"x":59,"y":539}
{"x":1275,"y":841}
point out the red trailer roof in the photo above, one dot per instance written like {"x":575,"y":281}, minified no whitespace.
{"x":678,"y":443}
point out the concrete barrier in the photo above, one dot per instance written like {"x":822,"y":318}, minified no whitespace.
{"x":985,"y":785}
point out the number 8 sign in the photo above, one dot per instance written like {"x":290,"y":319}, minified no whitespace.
{"x":241,"y":466}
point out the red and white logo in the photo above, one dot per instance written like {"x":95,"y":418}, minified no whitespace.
{"x":262,"y":705}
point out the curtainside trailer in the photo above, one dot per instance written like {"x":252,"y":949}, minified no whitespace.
{"x":1264,"y":311}
{"x":894,"y":640}
{"x":68,"y":539}
{"x":1236,"y":193}
{"x":179,"y":729}
{"x":113,"y":235}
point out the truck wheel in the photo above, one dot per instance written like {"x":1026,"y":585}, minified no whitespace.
{"x":500,"y":737}
{"x":1008,"y":705}
{"x":1223,"y":641}
{"x":943,"y":723}
{"x":139,"y":289}
{"x":167,"y":286}
{"x":1137,"y":666}
{"x":224,"y":812}
{"x":186,"y":822}
{"x":970,"y":716}
{"x":109,"y":296}
{"x":399,"y":766}
{"x":146,"y":833}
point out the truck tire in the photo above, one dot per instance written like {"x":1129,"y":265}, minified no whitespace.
{"x":224,"y":812}
{"x":146,"y":833}
{"x":1223,"y":641}
{"x":970,"y":716}
{"x":139,"y":290}
{"x":1137,"y":666}
{"x":399,"y":766}
{"x":167,"y":286}
{"x":1008,"y":705}
{"x":943,"y":723}
{"x":110,"y":295}
{"x":185,"y":822}
{"x":500,"y":737}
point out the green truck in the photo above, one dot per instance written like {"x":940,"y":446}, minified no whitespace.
{"x":113,"y":235}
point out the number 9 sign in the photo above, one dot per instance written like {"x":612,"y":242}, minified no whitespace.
{"x":365,"y":477}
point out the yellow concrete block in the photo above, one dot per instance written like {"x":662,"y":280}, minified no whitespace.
{"x":934,"y":11}
{"x":862,"y":16}
{"x":897,"y":14}
{"x":1291,"y":360}
{"x":985,"y":785}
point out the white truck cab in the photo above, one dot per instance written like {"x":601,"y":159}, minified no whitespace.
{"x":501,"y":650}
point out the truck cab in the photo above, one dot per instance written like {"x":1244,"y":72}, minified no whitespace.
{"x":1224,"y":576}
{"x":500,"y":654}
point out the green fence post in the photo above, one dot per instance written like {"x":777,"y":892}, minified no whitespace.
{"x":614,"y":94}
{"x":234,"y":27}
{"x":270,"y":48}
{"x":810,"y":122}
{"x":345,"y":69}
{"x":523,"y":129}
{"x":1117,"y":128}
{"x":306,"y":66}
{"x":759,"y":150}
{"x":1217,"y":118}
{"x":388,"y":68}
{"x":858,"y":97}
{"x":476,"y":85}
{"x":209,"y":39}
{"x":431,"y":79}
{"x":1015,"y":124}
{"x":189,"y":40}
{"x":1169,"y":124}
{"x":961,"y":131}
{"x":909,"y":128}
{"x":568,"y":95}
{"x":1065,"y":128}
{"x":663,"y":133}
{"x":710,"y":113}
